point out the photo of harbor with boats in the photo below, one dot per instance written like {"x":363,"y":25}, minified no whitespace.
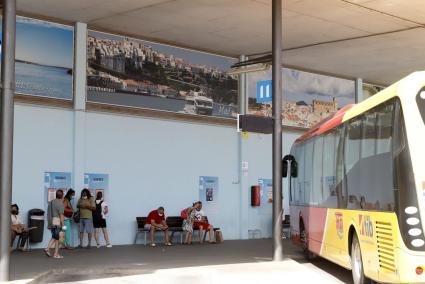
{"x":131,"y":72}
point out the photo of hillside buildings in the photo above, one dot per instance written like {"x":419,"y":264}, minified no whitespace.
{"x":307,"y":98}
{"x":137,"y":73}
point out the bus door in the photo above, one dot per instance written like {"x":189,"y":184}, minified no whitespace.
{"x":335,"y":246}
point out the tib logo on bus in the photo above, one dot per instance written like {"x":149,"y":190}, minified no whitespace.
{"x":339,"y":224}
{"x":366,"y":226}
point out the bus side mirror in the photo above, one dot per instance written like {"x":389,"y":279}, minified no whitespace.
{"x":294,"y":169}
{"x":284,"y":168}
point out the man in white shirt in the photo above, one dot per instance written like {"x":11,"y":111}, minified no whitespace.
{"x":18,"y":228}
{"x":201,"y":223}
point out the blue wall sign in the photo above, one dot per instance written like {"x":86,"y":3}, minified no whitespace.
{"x":264,"y":91}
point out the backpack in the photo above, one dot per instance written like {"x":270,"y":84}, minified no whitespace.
{"x":184,"y":213}
{"x":98,"y":212}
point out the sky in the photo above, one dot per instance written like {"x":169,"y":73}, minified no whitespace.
{"x":194,"y":57}
{"x":44,"y":42}
{"x":304,"y":86}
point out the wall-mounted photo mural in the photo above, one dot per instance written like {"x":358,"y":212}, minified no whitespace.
{"x":137,"y":73}
{"x":369,"y":90}
{"x":307,"y":98}
{"x":44,"y":58}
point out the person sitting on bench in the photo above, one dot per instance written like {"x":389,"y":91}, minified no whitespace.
{"x":188,"y":216}
{"x":156,"y":221}
{"x":18,"y":228}
{"x":201,"y":224}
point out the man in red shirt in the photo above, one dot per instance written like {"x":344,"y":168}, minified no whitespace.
{"x":156,"y":221}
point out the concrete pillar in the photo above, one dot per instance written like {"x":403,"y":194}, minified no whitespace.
{"x":80,"y":77}
{"x":359,"y":90}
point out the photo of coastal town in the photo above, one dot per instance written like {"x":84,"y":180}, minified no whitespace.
{"x":44,"y":58}
{"x":307,"y":98}
{"x":132,"y":72}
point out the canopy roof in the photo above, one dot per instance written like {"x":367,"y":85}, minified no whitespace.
{"x":380,"y":41}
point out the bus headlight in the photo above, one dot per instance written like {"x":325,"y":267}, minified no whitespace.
{"x":417,"y":243}
{"x":415,"y":232}
{"x":411,"y":210}
{"x":412,"y":221}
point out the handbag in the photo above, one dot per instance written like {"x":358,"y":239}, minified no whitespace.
{"x":56,"y":221}
{"x":76,"y":216}
{"x":218,"y":236}
{"x":61,"y":237}
{"x":68,"y":212}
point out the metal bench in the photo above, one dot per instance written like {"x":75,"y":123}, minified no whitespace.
{"x":174,"y":223}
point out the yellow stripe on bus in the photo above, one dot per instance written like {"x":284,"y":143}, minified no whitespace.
{"x":371,"y":102}
{"x":405,"y":85}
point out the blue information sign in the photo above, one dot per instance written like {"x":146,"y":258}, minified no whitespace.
{"x":264,"y":91}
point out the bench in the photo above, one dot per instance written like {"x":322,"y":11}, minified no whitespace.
{"x":174,"y":223}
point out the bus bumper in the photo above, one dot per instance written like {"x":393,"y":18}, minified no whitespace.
{"x":410,"y":263}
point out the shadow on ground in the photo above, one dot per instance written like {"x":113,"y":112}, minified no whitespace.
{"x":85,"y":264}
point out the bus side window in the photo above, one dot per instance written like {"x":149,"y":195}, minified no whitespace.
{"x":340,"y":186}
{"x":330,"y":148}
{"x":300,"y":180}
{"x":376,"y":164}
{"x":317,"y":162}
{"x":295,"y":181}
{"x":308,"y":172}
{"x":352,"y":166}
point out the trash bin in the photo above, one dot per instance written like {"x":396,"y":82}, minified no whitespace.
{"x":36,"y":225}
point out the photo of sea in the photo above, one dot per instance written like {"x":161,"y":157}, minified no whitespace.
{"x":44,"y":58}
{"x":40,"y":80}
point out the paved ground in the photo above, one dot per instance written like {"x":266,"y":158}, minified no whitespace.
{"x":135,"y":264}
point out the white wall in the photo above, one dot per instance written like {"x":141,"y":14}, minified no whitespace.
{"x":154,"y":162}
{"x":150,"y":163}
{"x":259,"y":157}
{"x":42,"y":142}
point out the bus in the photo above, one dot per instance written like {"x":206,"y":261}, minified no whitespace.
{"x":357,"y":186}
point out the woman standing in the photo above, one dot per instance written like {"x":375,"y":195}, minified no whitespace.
{"x":68,"y":212}
{"x":99,"y":219}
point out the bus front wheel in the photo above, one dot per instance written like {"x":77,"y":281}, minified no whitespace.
{"x":357,"y":263}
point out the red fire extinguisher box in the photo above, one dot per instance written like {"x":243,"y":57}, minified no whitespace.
{"x":255,"y":195}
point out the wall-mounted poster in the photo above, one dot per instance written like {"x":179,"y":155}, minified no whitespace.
{"x":370,"y":90}
{"x":266,"y":196}
{"x":137,"y":73}
{"x":96,"y":183}
{"x":208,"y":193}
{"x":208,"y":188}
{"x":54,"y":181}
{"x":44,"y":58}
{"x":307,"y":98}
